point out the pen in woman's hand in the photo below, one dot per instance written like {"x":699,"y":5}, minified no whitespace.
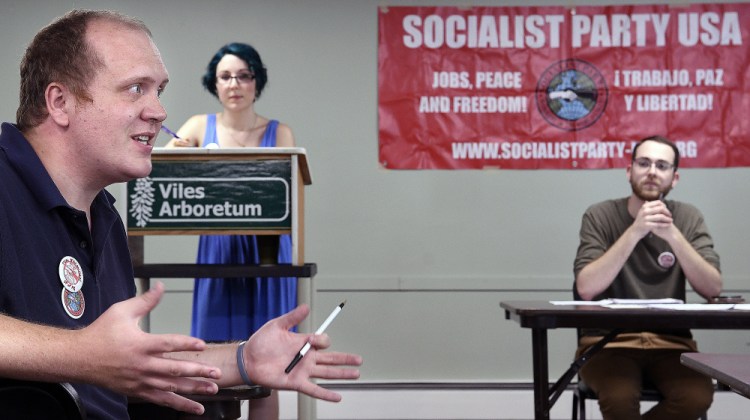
{"x":170,"y":132}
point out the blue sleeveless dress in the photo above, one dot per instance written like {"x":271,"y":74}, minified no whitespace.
{"x":233,"y":309}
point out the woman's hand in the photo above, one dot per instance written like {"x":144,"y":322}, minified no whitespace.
{"x":182,"y":142}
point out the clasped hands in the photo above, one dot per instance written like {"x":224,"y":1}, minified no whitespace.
{"x":654,"y":217}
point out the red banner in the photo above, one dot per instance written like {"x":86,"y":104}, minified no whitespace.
{"x":561,"y":87}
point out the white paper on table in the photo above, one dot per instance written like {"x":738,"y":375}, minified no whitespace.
{"x":641,"y":303}
{"x":696,"y":306}
{"x":646,"y":301}
{"x":582,"y":302}
{"x":628,"y":305}
{"x":667,"y":303}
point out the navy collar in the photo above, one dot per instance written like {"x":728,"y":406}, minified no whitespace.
{"x":24,"y":160}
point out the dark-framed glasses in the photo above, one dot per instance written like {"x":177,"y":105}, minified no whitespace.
{"x":241,"y":78}
{"x":645,"y":164}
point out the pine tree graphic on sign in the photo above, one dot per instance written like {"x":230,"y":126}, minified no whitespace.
{"x":142,"y":201}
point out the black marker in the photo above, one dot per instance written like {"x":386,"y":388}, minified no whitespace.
{"x":320,"y":330}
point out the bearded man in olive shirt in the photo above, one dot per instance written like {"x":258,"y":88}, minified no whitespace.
{"x":646,"y":247}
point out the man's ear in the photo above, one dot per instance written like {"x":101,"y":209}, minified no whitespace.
{"x":675,"y":178}
{"x":60,"y":102}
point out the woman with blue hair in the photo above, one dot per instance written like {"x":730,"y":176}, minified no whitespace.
{"x":232,"y":309}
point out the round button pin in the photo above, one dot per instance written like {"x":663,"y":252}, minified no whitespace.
{"x":74,"y":303}
{"x":666,"y":259}
{"x":71,"y":274}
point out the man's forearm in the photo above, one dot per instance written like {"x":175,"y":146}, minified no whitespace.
{"x":222,"y":356}
{"x":36,"y":352}
{"x":599,"y":274}
{"x":704,"y":278}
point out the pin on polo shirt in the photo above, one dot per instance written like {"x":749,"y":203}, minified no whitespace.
{"x":73,"y":302}
{"x":71,"y":277}
{"x":71,"y":274}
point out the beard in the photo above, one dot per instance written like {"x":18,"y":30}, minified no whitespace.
{"x":649,"y":194}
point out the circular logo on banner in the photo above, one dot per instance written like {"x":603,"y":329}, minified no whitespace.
{"x":74,"y":303}
{"x":71,"y":274}
{"x":571,"y":94}
{"x":666,"y":259}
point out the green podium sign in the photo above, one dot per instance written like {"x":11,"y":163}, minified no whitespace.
{"x":200,"y":190}
{"x":193,"y":191}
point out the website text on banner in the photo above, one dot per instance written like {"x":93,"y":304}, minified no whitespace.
{"x":561,"y":87}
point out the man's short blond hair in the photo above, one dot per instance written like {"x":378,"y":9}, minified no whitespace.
{"x":60,"y":53}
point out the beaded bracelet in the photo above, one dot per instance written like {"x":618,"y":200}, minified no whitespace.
{"x":241,"y":365}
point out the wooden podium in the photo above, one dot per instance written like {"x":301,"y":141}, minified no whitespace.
{"x":244,"y":191}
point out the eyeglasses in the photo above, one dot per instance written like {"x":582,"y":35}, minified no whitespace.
{"x":242,"y":78}
{"x":661,"y":165}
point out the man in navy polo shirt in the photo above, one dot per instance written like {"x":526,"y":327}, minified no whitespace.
{"x":88,"y":117}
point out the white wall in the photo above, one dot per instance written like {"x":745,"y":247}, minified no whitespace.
{"x":423,"y":257}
